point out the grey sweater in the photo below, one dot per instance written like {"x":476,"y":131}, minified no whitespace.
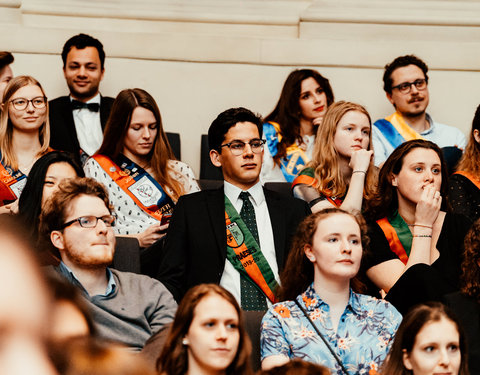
{"x":138,"y":308}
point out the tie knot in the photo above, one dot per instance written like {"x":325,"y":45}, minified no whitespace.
{"x":245,"y":196}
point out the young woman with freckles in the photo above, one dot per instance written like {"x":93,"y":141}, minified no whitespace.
{"x":291,"y":127}
{"x":416,"y":245}
{"x":341,"y":173}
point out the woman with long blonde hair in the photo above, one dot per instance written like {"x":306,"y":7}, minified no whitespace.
{"x":464,"y":184}
{"x":136,"y":164}
{"x":24,"y":134}
{"x":341,"y":172}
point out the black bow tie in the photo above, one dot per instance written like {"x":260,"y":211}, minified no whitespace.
{"x":94,"y":107}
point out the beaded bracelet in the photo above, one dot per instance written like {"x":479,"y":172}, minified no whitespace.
{"x":423,"y":235}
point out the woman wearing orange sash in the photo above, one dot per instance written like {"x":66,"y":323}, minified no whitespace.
{"x":136,"y":164}
{"x":24,"y":136}
{"x":291,"y":127}
{"x":341,"y":173}
{"x":416,"y":246}
{"x":464,"y":185}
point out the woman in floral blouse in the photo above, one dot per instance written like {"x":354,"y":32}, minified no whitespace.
{"x":325,"y":257}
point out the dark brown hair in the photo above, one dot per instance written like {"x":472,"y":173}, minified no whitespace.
{"x":297,"y":367}
{"x":174,"y":358}
{"x":385,"y":200}
{"x":401,"y":62}
{"x":287,"y":112}
{"x":299,"y":270}
{"x":412,"y":323}
{"x":470,"y":278}
{"x":6,"y":58}
{"x":116,"y":131}
{"x":469,"y":161}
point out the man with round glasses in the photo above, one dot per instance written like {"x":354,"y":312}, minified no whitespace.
{"x":126,"y":307}
{"x":405,"y":82}
{"x":239,"y":235}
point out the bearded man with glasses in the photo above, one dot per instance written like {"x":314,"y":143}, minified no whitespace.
{"x":126,"y":307}
{"x":239,"y":235}
{"x":405,"y":82}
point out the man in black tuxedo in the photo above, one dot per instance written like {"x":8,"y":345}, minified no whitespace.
{"x":77,"y":121}
{"x":201,"y":239}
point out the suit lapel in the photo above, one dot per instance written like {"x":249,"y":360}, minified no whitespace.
{"x":216,"y":212}
{"x":70,"y":123}
{"x":104,"y":112}
{"x":277,"y":218}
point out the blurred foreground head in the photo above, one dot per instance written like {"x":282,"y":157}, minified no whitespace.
{"x":24,"y":306}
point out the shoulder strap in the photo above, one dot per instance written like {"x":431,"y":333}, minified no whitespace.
{"x":470,"y":177}
{"x":339,"y":361}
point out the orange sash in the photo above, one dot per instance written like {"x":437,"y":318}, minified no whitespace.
{"x":393,"y":240}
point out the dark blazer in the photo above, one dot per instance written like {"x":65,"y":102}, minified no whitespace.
{"x":196,"y":243}
{"x":63,"y":135}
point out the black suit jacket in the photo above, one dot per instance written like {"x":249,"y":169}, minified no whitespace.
{"x":63,"y":135}
{"x":196,"y":243}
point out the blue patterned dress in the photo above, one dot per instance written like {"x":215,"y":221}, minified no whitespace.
{"x":362,"y":340}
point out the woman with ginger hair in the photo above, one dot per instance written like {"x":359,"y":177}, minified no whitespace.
{"x":341,"y":173}
{"x":464,"y":185}
{"x":322,"y":319}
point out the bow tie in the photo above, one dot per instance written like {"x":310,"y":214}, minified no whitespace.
{"x":94,"y":107}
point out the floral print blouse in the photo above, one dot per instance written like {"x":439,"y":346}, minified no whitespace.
{"x":362,"y":340}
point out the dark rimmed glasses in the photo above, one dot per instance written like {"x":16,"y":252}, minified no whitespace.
{"x":21,"y":104}
{"x":406,"y":87}
{"x":91,"y":221}
{"x":237,"y":148}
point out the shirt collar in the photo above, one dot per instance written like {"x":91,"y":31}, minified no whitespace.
{"x":95,"y":99}
{"x":312,"y":300}
{"x":431,"y":129}
{"x":111,"y":285}
{"x":233,"y":192}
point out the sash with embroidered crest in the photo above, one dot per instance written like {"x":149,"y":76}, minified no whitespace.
{"x":398,"y":235}
{"x":474,"y":180}
{"x":245,"y":255}
{"x":306,"y":177}
{"x":296,"y":158}
{"x":11,"y":184}
{"x":396,"y":130}
{"x":145,"y":191}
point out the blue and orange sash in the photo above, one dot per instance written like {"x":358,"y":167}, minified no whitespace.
{"x":294,"y":161}
{"x":11,"y":184}
{"x":145,"y":191}
{"x":245,"y":255}
{"x":396,"y":130}
{"x":470,"y":177}
{"x":307,"y":179}
{"x":398,"y":235}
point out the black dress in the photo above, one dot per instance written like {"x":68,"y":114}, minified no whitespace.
{"x":464,"y":196}
{"x":422,"y":282}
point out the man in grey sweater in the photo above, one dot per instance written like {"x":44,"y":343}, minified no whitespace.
{"x":126,"y":307}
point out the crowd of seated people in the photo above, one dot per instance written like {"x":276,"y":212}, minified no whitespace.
{"x":238,"y":277}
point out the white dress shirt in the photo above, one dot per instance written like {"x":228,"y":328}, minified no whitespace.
{"x":231,"y":277}
{"x":88,"y":127}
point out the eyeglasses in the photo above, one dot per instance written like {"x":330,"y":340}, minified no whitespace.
{"x":238,"y":147}
{"x":20,"y":104}
{"x":406,"y":87}
{"x":91,"y":221}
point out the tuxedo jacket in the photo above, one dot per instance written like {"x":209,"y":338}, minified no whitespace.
{"x":63,"y":135}
{"x":195,"y":248}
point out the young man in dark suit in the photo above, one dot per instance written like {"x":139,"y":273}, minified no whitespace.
{"x":77,"y":121}
{"x":237,"y":236}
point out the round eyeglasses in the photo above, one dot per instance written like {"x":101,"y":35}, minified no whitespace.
{"x":237,"y":148}
{"x":406,"y":87}
{"x":91,"y":221}
{"x":21,"y":104}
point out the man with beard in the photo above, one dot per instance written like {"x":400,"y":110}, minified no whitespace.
{"x":77,"y":121}
{"x":405,"y":82}
{"x":126,"y":307}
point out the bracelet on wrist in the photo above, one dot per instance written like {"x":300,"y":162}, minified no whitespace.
{"x":421,"y":225}
{"x":423,"y":235}
{"x":364,"y":172}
